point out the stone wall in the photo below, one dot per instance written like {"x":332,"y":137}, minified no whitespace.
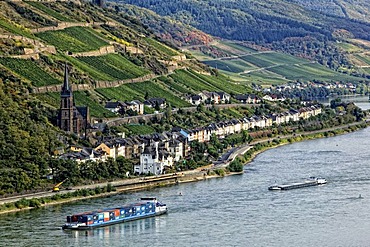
{"x":102,"y":51}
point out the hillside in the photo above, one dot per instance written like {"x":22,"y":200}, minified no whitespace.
{"x":110,"y":56}
{"x":315,"y":30}
{"x":269,"y":21}
{"x":359,"y":10}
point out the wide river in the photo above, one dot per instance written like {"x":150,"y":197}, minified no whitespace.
{"x":236,"y":210}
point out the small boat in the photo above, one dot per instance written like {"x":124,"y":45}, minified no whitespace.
{"x":311,"y":181}
{"x":147,"y":207}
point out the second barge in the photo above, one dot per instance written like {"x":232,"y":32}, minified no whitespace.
{"x":312,"y":181}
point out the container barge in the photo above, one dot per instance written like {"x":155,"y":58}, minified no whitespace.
{"x":312,"y":181}
{"x":147,"y":207}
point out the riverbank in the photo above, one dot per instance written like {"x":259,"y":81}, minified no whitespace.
{"x":200,"y":174}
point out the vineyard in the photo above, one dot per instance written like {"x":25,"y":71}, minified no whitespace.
{"x":15,"y":28}
{"x":96,"y":109}
{"x":192,"y":81}
{"x":73,"y":39}
{"x":113,"y":67}
{"x":234,"y":66}
{"x":265,"y":77}
{"x":137,"y":91}
{"x":223,"y":84}
{"x":29,"y":70}
{"x":154,"y":90}
{"x":257,"y":61}
{"x":162,"y":48}
{"x":177,"y":87}
{"x":121,"y":93}
{"x":49,"y":11}
{"x":310,"y":72}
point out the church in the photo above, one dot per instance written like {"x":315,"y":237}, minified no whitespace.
{"x":71,"y":118}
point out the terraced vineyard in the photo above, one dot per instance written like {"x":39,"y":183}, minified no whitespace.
{"x":121,"y":93}
{"x":234,"y":65}
{"x":223,"y":84}
{"x":162,"y":48}
{"x":112,"y":67}
{"x":96,"y":109}
{"x":192,"y":81}
{"x":15,"y":28}
{"x":74,"y":39}
{"x":30,"y":71}
{"x":154,"y":90}
{"x":49,"y":11}
{"x":137,"y":91}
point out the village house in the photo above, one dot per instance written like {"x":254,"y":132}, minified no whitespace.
{"x":248,"y":98}
{"x":159,"y":103}
{"x":195,"y":100}
{"x":115,"y":106}
{"x":122,"y":107}
{"x":169,"y":147}
{"x":83,"y":155}
{"x":153,"y":161}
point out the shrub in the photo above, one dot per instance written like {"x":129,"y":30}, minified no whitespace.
{"x":235,"y":166}
{"x":35,"y":203}
{"x":220,"y":172}
{"x":23,"y":203}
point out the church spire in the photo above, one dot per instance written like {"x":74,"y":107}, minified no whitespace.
{"x":66,"y":88}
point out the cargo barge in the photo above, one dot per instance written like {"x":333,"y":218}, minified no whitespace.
{"x":312,"y":181}
{"x":147,"y":207}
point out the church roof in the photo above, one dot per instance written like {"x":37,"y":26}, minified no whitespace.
{"x":66,"y":88}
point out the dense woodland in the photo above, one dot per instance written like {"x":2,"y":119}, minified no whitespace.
{"x":254,"y":21}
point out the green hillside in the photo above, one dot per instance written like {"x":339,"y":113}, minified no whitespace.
{"x":308,"y":29}
{"x":268,"y":67}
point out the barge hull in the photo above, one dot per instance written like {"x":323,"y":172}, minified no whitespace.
{"x":112,"y":222}
{"x":307,"y":183}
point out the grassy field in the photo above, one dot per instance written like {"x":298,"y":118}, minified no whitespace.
{"x":135,"y":129}
{"x":29,"y":70}
{"x":74,"y":39}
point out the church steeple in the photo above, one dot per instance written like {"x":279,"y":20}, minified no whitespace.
{"x":66,"y":88}
{"x":71,"y":118}
{"x":66,"y":112}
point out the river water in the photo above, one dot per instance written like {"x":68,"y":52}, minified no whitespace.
{"x":236,"y":210}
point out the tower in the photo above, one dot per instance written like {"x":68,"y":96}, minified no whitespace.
{"x":66,"y":105}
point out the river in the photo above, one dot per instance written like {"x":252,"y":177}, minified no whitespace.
{"x":236,"y":210}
